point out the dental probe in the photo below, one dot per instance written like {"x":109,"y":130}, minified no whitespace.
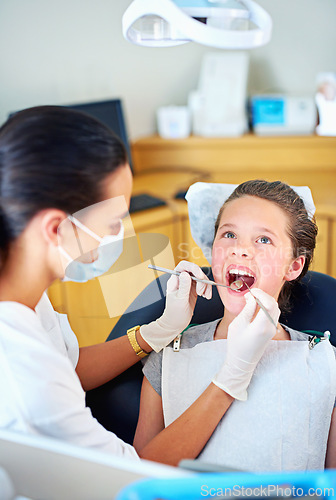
{"x":261,"y":305}
{"x":235,"y":285}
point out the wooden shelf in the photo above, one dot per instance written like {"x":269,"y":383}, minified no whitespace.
{"x":299,"y":160}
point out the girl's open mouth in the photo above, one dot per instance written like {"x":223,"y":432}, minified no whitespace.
{"x":234,"y":274}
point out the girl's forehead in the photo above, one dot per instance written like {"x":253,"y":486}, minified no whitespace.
{"x":253,"y":208}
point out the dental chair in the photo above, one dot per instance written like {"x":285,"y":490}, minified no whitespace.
{"x":314,"y":485}
{"x":116,"y":404}
{"x":39,"y":467}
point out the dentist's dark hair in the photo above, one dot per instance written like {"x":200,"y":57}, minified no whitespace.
{"x":52,"y":157}
{"x":302,"y":228}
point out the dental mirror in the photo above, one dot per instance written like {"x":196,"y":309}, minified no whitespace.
{"x":235,"y":285}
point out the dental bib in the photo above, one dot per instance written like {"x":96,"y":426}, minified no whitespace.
{"x":284,"y":423}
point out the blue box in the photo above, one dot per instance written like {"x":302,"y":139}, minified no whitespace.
{"x":268,"y":110}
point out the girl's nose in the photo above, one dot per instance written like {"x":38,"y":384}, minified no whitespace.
{"x":242,"y":251}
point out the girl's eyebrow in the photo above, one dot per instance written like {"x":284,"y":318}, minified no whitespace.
{"x":227,"y":225}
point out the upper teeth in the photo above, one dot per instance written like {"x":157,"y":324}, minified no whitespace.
{"x":240,"y":272}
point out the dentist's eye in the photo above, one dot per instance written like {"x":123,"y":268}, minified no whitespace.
{"x":229,"y":234}
{"x":265,"y":240}
{"x":115,"y":227}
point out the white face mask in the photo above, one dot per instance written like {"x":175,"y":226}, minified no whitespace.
{"x":109,"y":250}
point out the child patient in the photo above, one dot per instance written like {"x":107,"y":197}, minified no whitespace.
{"x":281,"y":420}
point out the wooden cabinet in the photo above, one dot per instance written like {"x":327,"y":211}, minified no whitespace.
{"x":299,"y":160}
{"x":325,"y":252}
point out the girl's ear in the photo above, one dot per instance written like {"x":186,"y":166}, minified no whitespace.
{"x":295,"y":269}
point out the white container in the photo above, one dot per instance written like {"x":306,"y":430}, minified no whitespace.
{"x":326,"y":104}
{"x":218,"y":106}
{"x":173,"y":122}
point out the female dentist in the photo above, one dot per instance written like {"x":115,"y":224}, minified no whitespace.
{"x":56,"y":162}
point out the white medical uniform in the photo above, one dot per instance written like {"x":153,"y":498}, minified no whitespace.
{"x":40,"y":392}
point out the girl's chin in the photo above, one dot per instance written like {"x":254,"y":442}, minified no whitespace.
{"x":234,"y":312}
{"x":233,"y":303}
{"x":235,"y":306}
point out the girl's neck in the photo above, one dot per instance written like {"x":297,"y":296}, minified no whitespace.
{"x":223,"y":325}
{"x":222,"y":328}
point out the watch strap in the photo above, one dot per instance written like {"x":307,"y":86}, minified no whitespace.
{"x":131,"y":334}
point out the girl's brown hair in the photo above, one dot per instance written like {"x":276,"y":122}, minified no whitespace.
{"x":301,"y":229}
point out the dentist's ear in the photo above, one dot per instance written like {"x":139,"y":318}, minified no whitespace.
{"x":50,"y":222}
{"x":295,"y":269}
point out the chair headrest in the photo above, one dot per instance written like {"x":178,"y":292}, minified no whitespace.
{"x":204,"y":202}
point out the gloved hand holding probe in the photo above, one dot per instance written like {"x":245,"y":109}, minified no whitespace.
{"x":246,"y":343}
{"x":180,"y":303}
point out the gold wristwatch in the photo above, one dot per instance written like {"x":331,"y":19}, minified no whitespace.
{"x":131,"y":334}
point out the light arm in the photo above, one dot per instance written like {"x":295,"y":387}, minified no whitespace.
{"x":187,"y":435}
{"x":100,"y":363}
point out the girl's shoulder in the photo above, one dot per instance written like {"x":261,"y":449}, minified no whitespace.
{"x":296,"y":335}
{"x":196,"y":334}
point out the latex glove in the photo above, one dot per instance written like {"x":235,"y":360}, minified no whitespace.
{"x":246,"y":343}
{"x":181,"y":298}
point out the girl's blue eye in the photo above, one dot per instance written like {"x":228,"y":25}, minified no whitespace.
{"x":228,"y":234}
{"x":264,"y":240}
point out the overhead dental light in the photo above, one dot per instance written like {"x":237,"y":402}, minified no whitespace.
{"x":226,"y":24}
